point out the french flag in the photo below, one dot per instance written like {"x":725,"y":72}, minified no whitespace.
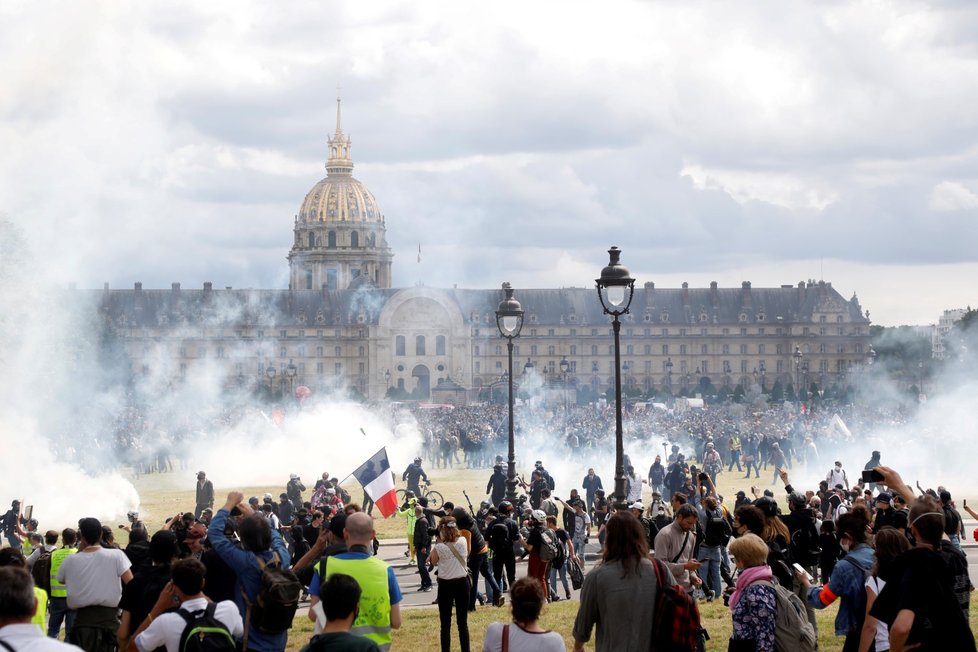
{"x":377,"y":481}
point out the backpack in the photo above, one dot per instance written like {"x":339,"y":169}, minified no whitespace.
{"x":41,"y":572}
{"x":792,"y":631}
{"x":561,"y":557}
{"x":277,"y":600}
{"x":718,"y":529}
{"x":548,"y":548}
{"x":804,"y":547}
{"x":576,"y":573}
{"x":676,"y":621}
{"x":498,"y":536}
{"x":204,"y":632}
{"x":951,"y":523}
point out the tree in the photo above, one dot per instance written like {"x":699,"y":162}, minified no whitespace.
{"x":777,"y":392}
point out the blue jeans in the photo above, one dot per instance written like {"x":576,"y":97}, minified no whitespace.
{"x":709,"y":571}
{"x":479,"y":565}
{"x":58,"y":611}
{"x":562,"y":571}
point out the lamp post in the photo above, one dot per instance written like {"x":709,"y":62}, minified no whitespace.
{"x":797,"y":356}
{"x":615,"y":290}
{"x":509,"y":321}
{"x":669,"y":374}
{"x":762,"y":376}
{"x":564,"y":366}
{"x":387,"y":379}
{"x":290,"y":373}
{"x":270,"y":373}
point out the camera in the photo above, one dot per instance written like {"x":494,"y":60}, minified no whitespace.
{"x":872,"y":475}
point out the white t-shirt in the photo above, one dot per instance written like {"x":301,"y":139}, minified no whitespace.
{"x":581,"y":521}
{"x":27,"y":637}
{"x":521,"y":640}
{"x":448,"y":566}
{"x":167,"y":628}
{"x":882,"y":632}
{"x":92,"y":578}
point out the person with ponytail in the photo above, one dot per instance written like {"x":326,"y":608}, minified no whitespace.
{"x":848,"y":579}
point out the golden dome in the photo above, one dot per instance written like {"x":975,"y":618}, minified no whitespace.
{"x":339,"y":197}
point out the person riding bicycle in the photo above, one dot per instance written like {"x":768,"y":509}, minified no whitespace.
{"x":413,"y":474}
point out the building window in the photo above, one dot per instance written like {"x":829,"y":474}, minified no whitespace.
{"x":281,"y":352}
{"x":743,"y":366}
{"x":551,"y":350}
{"x":399,"y":345}
{"x":499,"y":350}
{"x":419,"y":345}
{"x":778,"y":349}
{"x":309,"y":276}
{"x":533,"y":349}
{"x":648,"y":349}
{"x":319,"y":351}
{"x":594,"y":349}
{"x":573,"y":349}
{"x":704,"y":349}
{"x":354,"y":239}
{"x":330,"y":279}
{"x":665,"y":349}
{"x":338,"y":352}
{"x":760,"y":349}
{"x":682,"y":350}
{"x":360,"y":351}
{"x":338,"y":369}
{"x":477,"y":350}
{"x":440,"y":345}
{"x":743,"y":349}
{"x":319,"y":369}
{"x":331,"y":240}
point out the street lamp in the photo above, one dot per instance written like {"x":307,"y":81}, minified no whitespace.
{"x":509,"y":321}
{"x":798,"y":355}
{"x":387,"y":379}
{"x":564,"y":367}
{"x":290,"y":372}
{"x":669,"y":374}
{"x":763,"y":370}
{"x":615,"y":290}
{"x":270,"y":373}
{"x":870,"y":356}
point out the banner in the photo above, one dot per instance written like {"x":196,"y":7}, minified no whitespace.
{"x":375,"y":477}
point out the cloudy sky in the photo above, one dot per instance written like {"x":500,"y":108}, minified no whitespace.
{"x":763,"y":141}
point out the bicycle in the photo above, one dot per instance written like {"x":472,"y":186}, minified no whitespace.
{"x":434,"y":498}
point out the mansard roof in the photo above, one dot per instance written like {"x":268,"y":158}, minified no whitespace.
{"x":563,"y":306}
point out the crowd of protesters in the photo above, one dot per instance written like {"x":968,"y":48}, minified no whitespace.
{"x":888,"y":554}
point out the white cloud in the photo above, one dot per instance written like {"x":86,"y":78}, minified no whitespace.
{"x":952,"y":196}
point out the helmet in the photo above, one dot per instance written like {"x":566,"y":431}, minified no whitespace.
{"x":485,"y":504}
{"x":539,"y":515}
{"x":409,"y":494}
{"x":505,"y":506}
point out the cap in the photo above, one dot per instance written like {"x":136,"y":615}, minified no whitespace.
{"x":539,"y":515}
{"x":884,"y":497}
{"x":797,"y":499}
{"x":741,"y":494}
{"x":637,"y":505}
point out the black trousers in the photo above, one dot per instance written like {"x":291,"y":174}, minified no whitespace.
{"x":454,"y":593}
{"x":504,"y":558}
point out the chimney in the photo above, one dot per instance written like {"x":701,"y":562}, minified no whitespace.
{"x":821,"y":290}
{"x":105,"y":286}
{"x":174,"y":287}
{"x":685,"y":293}
{"x":208,"y":286}
{"x":138,"y":286}
{"x":714,"y":295}
{"x":745,"y":300}
{"x":801,"y":292}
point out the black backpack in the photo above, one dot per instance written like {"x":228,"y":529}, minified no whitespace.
{"x":804,"y":547}
{"x":204,"y":632}
{"x":498,"y":535}
{"x":951,"y":523}
{"x":41,"y":572}
{"x":718,"y":529}
{"x":277,"y":600}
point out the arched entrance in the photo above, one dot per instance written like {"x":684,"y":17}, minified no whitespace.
{"x":422,"y":387}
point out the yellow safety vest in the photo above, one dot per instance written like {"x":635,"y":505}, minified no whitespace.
{"x":42,"y":609}
{"x":59,"y":590}
{"x":374,"y":621}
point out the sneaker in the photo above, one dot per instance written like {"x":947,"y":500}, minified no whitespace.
{"x":500,"y":600}
{"x":568,"y":595}
{"x":555,"y":598}
{"x":424,"y":589}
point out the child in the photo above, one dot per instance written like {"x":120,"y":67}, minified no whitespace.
{"x":831,"y":550}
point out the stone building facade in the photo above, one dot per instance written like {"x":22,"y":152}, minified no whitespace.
{"x":341,"y":323}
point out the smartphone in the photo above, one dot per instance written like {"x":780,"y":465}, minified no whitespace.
{"x":801,"y":571}
{"x":872,"y":475}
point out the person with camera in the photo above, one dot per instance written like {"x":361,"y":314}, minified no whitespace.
{"x":449,"y":554}
{"x":260,"y":545}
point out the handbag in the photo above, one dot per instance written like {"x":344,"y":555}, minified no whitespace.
{"x":468,"y":571}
